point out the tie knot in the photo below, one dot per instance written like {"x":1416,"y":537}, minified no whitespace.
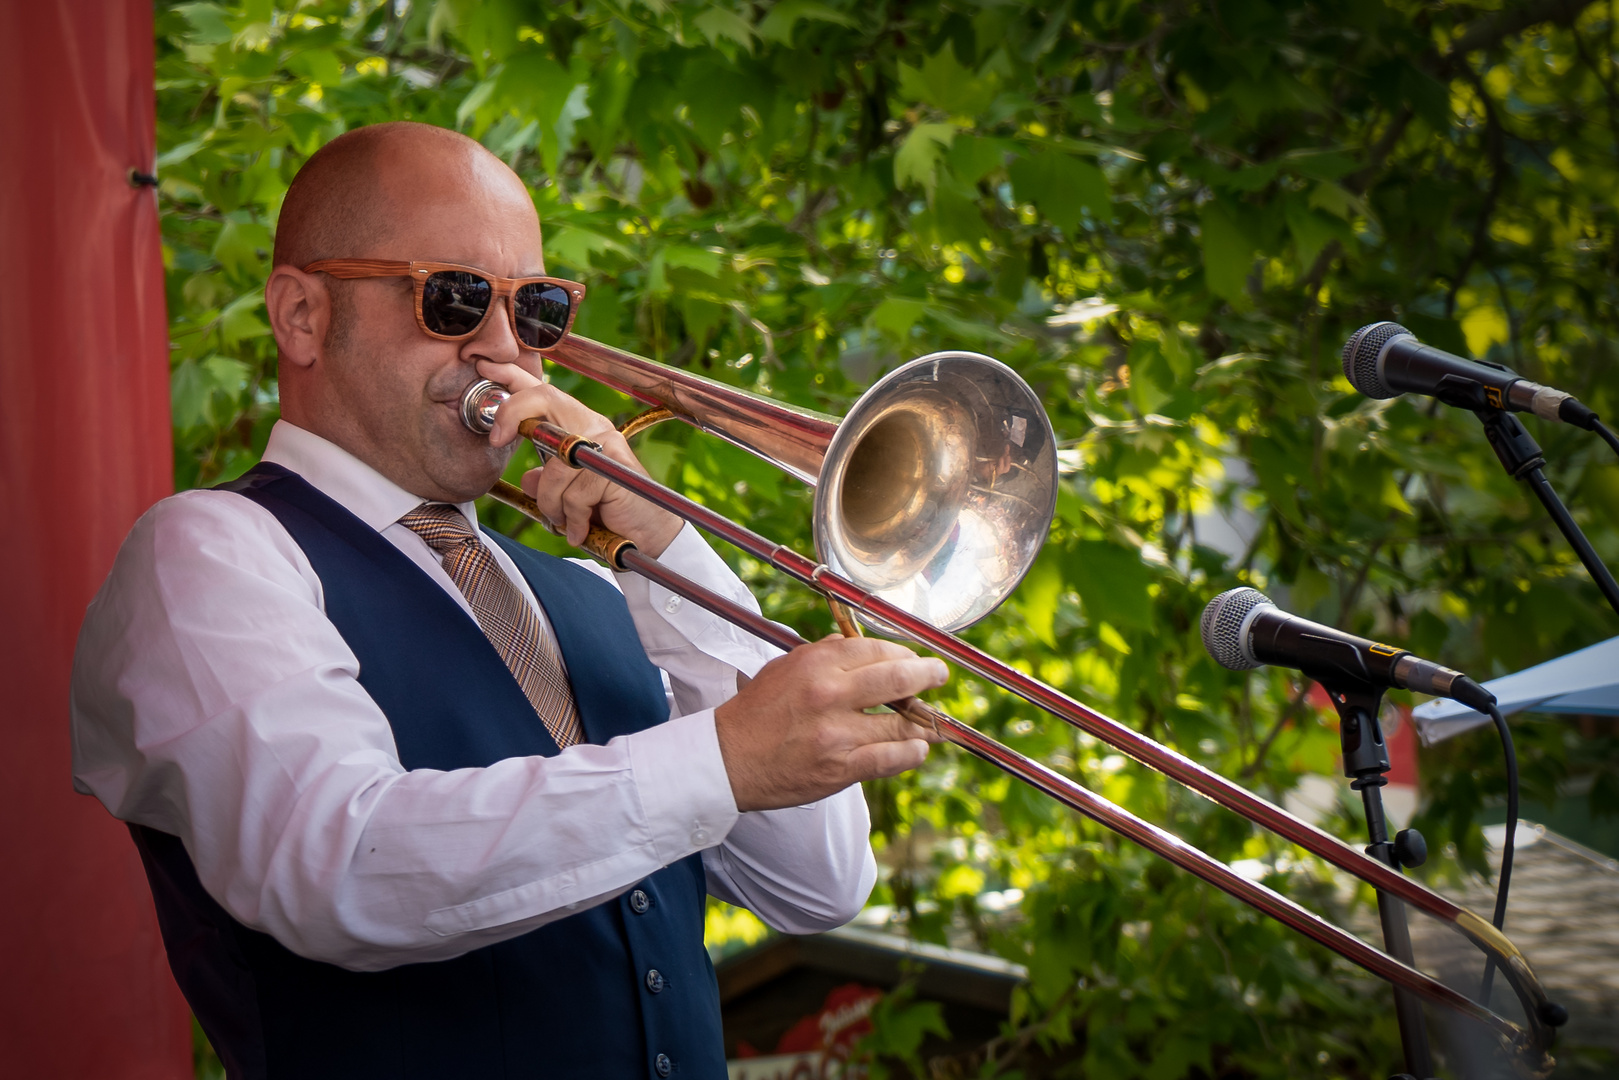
{"x":441,"y":525}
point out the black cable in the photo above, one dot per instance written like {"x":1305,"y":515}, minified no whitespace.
{"x":1607,"y":434}
{"x":1505,"y":880}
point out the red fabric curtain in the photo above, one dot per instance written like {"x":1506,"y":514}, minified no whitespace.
{"x":85,"y":990}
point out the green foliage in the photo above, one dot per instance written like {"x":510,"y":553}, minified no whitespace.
{"x":1167,"y":216}
{"x":899,"y":1023}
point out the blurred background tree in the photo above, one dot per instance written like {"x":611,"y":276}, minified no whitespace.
{"x":1167,"y":216}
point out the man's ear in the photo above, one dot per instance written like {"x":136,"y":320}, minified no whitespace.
{"x":300,"y":310}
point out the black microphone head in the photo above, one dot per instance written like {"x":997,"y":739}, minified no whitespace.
{"x":1222,"y":626}
{"x":1360,"y":358}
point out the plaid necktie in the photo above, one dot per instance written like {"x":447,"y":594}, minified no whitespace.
{"x":506,"y":618}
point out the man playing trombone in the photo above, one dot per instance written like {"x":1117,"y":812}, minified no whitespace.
{"x":414,"y":800}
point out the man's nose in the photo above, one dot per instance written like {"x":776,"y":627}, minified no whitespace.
{"x":494,"y":340}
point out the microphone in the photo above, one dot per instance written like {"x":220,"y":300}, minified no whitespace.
{"x":1243,"y":629}
{"x":1385,"y":359}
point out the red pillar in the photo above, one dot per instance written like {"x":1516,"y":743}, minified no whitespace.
{"x":84,"y":449}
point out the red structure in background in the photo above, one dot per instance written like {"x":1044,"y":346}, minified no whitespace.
{"x":1403,"y":750}
{"x":85,"y":990}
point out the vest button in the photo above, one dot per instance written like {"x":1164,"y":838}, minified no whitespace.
{"x":663,"y":1065}
{"x":654,"y":981}
{"x":639,"y":901}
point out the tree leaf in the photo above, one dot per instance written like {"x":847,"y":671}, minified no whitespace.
{"x":1427,"y":95}
{"x":1311,"y":231}
{"x":578,"y":247}
{"x":239,"y":321}
{"x":1038,"y":596}
{"x":318,"y":65}
{"x":1228,"y":254}
{"x":534,"y":84}
{"x":917,"y":161}
{"x":942,"y":81}
{"x":1061,"y":186}
{"x":972,"y":157}
{"x":714,"y":93}
{"x":1112,"y":583}
{"x":897,"y":315}
{"x":1484,"y":326}
{"x":718,"y":24}
{"x":241,"y":246}
{"x":779,"y":21}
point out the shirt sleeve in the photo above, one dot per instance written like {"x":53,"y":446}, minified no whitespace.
{"x":213,"y":700}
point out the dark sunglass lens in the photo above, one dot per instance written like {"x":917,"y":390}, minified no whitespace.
{"x":454,"y":302}
{"x":542,"y":314}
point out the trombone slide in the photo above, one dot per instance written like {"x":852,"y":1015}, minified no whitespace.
{"x":1530,"y":1047}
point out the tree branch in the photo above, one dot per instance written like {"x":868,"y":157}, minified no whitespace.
{"x":1496,"y":28}
{"x":1346,"y":601}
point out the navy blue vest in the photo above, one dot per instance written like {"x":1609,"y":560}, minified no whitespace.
{"x":624,"y":989}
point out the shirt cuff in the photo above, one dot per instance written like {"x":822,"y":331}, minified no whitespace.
{"x":677,"y":621}
{"x":685,"y":791}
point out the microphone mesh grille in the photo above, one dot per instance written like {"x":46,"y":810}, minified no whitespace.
{"x":1360,"y":358}
{"x":1222,"y":626}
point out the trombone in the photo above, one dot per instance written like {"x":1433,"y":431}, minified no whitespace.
{"x":932,"y":498}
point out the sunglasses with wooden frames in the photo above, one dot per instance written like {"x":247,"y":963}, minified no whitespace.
{"x":453,"y":301}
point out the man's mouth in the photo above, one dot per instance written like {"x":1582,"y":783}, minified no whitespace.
{"x":453,"y":401}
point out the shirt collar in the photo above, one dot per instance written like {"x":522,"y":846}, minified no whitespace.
{"x":338,"y":474}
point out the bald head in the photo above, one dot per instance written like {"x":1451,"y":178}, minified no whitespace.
{"x":356,"y":367}
{"x":361,"y":190}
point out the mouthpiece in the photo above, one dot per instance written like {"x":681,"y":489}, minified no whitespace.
{"x":478,"y":404}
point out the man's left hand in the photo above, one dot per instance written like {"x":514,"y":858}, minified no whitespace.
{"x":575,"y":499}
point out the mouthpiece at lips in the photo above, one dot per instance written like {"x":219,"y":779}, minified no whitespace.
{"x":478,"y":404}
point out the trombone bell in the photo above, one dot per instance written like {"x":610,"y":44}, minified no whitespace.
{"x":937,"y":490}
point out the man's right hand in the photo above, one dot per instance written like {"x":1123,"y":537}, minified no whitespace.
{"x":798,"y":732}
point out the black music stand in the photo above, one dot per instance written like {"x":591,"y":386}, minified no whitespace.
{"x":1366,"y":760}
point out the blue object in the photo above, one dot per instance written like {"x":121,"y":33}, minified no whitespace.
{"x":1584,"y":683}
{"x":570,"y":999}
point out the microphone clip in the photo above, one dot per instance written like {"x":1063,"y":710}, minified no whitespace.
{"x":1518,"y":451}
{"x":1360,"y":734}
{"x":1461,"y":392}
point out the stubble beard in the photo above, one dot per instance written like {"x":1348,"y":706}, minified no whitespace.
{"x":459,"y":460}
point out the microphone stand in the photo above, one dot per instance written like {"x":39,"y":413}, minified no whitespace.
{"x":1522,"y":458}
{"x":1366,"y":760}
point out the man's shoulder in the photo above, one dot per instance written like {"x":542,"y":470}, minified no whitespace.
{"x":203,"y":508}
{"x":208,"y":524}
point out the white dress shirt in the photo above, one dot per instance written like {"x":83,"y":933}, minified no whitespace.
{"x":213,"y":700}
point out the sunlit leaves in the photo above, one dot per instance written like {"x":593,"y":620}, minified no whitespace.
{"x":919,"y":155}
